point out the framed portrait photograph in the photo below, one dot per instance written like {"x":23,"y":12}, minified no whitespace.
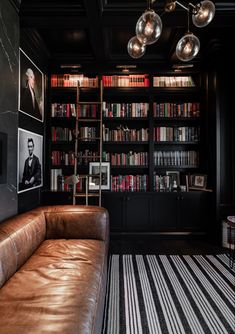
{"x":30,"y":164}
{"x":94,"y":170}
{"x":31,"y":88}
{"x":175,"y":177}
{"x":199,"y":181}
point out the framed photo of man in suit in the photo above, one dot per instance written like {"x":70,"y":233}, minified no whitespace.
{"x":31,"y":88}
{"x":30,"y":164}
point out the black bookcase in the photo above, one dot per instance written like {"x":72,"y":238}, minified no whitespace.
{"x":148,"y":211}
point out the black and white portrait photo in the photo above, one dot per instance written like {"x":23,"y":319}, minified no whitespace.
{"x":30,"y":152}
{"x":31,"y":88}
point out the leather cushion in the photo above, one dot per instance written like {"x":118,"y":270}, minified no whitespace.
{"x":56,"y":291}
{"x":20,"y":236}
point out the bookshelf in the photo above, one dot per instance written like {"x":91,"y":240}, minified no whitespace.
{"x":152,"y":124}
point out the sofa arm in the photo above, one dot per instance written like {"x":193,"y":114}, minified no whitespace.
{"x":76,"y":222}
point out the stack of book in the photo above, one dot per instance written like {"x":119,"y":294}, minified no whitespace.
{"x":176,"y":158}
{"x":129,"y":182}
{"x":140,"y":109}
{"x":87,"y":133}
{"x":72,"y":80}
{"x":61,"y":134}
{"x":63,"y":110}
{"x":127,"y":159}
{"x":62,"y":158}
{"x":179,"y":81}
{"x":177,"y":134}
{"x":162,"y":183}
{"x":189,"y":109}
{"x":123,"y":133}
{"x":132,"y":80}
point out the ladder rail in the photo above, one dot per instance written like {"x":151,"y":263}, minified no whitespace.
{"x":100,"y":153}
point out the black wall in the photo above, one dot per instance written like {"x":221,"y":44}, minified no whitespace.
{"x":9,"y":49}
{"x":35,"y":49}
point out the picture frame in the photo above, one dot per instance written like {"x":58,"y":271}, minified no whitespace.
{"x":30,"y":161}
{"x":199,"y":181}
{"x":175,"y":176}
{"x":94,"y":179}
{"x":31,"y":88}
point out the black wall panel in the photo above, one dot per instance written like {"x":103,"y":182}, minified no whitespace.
{"x":9,"y":45}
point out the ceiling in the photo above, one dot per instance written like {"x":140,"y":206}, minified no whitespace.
{"x":97,"y":31}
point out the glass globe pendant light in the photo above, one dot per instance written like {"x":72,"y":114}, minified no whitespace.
{"x":148,"y":27}
{"x":135,"y":48}
{"x":203,"y":13}
{"x":188,"y":46}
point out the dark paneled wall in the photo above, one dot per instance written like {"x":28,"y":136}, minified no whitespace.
{"x":9,"y":46}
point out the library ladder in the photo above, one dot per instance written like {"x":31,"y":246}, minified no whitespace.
{"x":81,"y":120}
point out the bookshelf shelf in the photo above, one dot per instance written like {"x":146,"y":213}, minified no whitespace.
{"x":126,"y":142}
{"x":176,"y":143}
{"x":125,"y":119}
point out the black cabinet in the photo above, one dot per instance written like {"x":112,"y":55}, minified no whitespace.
{"x":164,"y":211}
{"x":137,"y":213}
{"x":114,"y":203}
{"x":192,"y":210}
{"x":128,"y":212}
{"x":157,"y":212}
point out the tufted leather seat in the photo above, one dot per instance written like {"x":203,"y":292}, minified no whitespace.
{"x":53,"y":263}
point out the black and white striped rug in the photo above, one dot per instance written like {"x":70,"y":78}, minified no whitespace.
{"x":173,"y":294}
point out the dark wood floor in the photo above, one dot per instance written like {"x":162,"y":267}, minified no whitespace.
{"x":163,"y":244}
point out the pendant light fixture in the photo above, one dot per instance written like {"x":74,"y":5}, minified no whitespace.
{"x":188,"y":46}
{"x":149,"y":28}
{"x":203,"y":14}
{"x":135,"y":48}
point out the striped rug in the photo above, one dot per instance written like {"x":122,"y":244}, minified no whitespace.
{"x":173,"y":294}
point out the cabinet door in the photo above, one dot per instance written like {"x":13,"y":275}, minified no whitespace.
{"x":165,"y":211}
{"x":114,"y":203}
{"x":192,"y":213}
{"x":137,"y":213}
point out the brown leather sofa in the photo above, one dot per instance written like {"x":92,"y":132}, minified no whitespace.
{"x":53,"y":264}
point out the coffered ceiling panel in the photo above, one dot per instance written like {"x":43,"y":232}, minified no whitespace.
{"x":99,"y":30}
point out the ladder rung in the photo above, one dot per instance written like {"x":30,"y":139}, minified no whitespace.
{"x":89,"y":102}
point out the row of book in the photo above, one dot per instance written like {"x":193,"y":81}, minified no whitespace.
{"x":61,"y":134}
{"x":176,"y":158}
{"x":177,"y":134}
{"x":173,"y":81}
{"x":129,"y":183}
{"x":58,"y":182}
{"x":63,"y":110}
{"x":189,"y":109}
{"x":88,"y":133}
{"x":132,"y":80}
{"x":73,"y":80}
{"x":87,"y":110}
{"x":123,"y":133}
{"x":140,"y":109}
{"x":62,"y":158}
{"x":86,"y":156}
{"x":126,"y":159}
{"x":163,"y":183}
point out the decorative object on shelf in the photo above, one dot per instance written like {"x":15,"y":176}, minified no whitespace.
{"x":94,"y":171}
{"x":175,"y":179}
{"x":198,"y":181}
{"x":72,"y":179}
{"x":149,"y":28}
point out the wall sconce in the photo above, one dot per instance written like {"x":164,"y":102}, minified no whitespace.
{"x":149,"y":28}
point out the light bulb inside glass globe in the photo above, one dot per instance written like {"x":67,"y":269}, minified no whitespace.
{"x":188,"y":47}
{"x":149,"y":27}
{"x":135,"y":48}
{"x":203,"y":14}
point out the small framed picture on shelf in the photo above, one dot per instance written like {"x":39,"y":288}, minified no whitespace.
{"x":175,"y":177}
{"x":198,"y":181}
{"x":94,"y":179}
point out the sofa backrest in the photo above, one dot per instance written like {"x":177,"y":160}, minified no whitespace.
{"x":20,"y":236}
{"x":76,"y":222}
